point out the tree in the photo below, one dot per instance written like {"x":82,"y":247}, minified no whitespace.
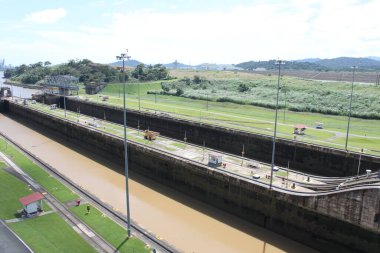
{"x":187,"y":80}
{"x":197,"y":79}
{"x":85,"y":70}
{"x":179,"y":91}
{"x":243,"y":87}
{"x":149,"y":73}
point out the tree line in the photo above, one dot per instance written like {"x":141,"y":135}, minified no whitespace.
{"x":86,"y":71}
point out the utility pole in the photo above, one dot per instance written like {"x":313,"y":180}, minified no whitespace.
{"x":242,"y":156}
{"x":204,"y":147}
{"x":64,"y":97}
{"x":285,"y":102}
{"x":279,"y":63}
{"x":360,"y":159}
{"x":349,"y":111}
{"x":207,"y":102}
{"x":124,"y":56}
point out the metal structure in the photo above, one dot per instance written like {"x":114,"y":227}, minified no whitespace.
{"x":122,"y":57}
{"x":349,"y":111}
{"x":279,"y":63}
{"x":65,"y":85}
{"x":123,"y":69}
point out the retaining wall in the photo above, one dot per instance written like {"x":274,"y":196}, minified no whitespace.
{"x":304,"y":157}
{"x":342,"y":222}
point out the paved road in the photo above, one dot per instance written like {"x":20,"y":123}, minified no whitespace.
{"x":10,"y":243}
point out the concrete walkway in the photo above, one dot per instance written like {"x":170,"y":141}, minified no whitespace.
{"x":86,"y":232}
{"x":22,"y":219}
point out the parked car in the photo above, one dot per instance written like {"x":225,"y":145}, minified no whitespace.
{"x":256,"y":176}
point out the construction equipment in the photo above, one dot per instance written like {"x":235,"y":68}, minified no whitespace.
{"x":150,"y":135}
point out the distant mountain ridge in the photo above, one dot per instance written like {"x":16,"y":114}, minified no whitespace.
{"x":348,"y":62}
{"x":312,"y":60}
{"x":374,"y":58}
{"x":177,"y":65}
{"x":128,"y":63}
{"x":338,"y":64}
{"x":371,"y":63}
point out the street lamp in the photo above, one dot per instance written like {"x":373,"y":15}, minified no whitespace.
{"x":206,"y":101}
{"x":360,"y":159}
{"x":349,"y":111}
{"x":279,"y":63}
{"x":285,"y":102}
{"x":138,"y":87}
{"x":64,"y":97}
{"x":124,"y":56}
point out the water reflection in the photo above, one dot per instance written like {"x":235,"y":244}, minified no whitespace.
{"x":17,"y":91}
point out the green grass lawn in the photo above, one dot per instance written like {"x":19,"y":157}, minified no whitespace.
{"x":52,"y":185}
{"x":9,"y":203}
{"x":256,"y":119}
{"x":50,"y":234}
{"x":281,"y":173}
{"x":11,"y":189}
{"x":109,"y":230}
{"x":301,"y":95}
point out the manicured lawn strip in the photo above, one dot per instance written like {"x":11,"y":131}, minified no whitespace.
{"x":2,"y":165}
{"x":281,"y":173}
{"x":11,"y":190}
{"x":109,"y":230}
{"x":50,"y":233}
{"x":179,"y":145}
{"x":102,"y":225}
{"x":253,"y":117}
{"x":52,"y":185}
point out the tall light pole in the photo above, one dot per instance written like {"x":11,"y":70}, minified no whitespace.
{"x":64,"y":97}
{"x":279,"y":63}
{"x":285,"y":103}
{"x":123,"y":56}
{"x":138,"y":88}
{"x":349,"y":111}
{"x":360,"y":159}
{"x":206,"y":101}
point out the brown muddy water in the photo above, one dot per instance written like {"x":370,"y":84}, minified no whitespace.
{"x":189,"y":225}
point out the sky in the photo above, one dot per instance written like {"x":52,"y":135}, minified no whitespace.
{"x":190,"y":31}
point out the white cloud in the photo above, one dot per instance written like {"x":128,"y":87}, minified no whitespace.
{"x":289,"y":30}
{"x":46,"y":16}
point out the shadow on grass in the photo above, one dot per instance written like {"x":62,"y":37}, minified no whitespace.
{"x":121,"y":244}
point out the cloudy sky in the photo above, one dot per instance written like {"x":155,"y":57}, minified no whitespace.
{"x":192,"y":32}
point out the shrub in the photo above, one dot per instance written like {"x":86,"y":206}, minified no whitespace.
{"x":179,"y":92}
{"x":243,"y":87}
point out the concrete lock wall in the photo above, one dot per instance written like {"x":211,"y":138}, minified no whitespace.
{"x":2,"y":106}
{"x":321,"y":222}
{"x":301,"y":156}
